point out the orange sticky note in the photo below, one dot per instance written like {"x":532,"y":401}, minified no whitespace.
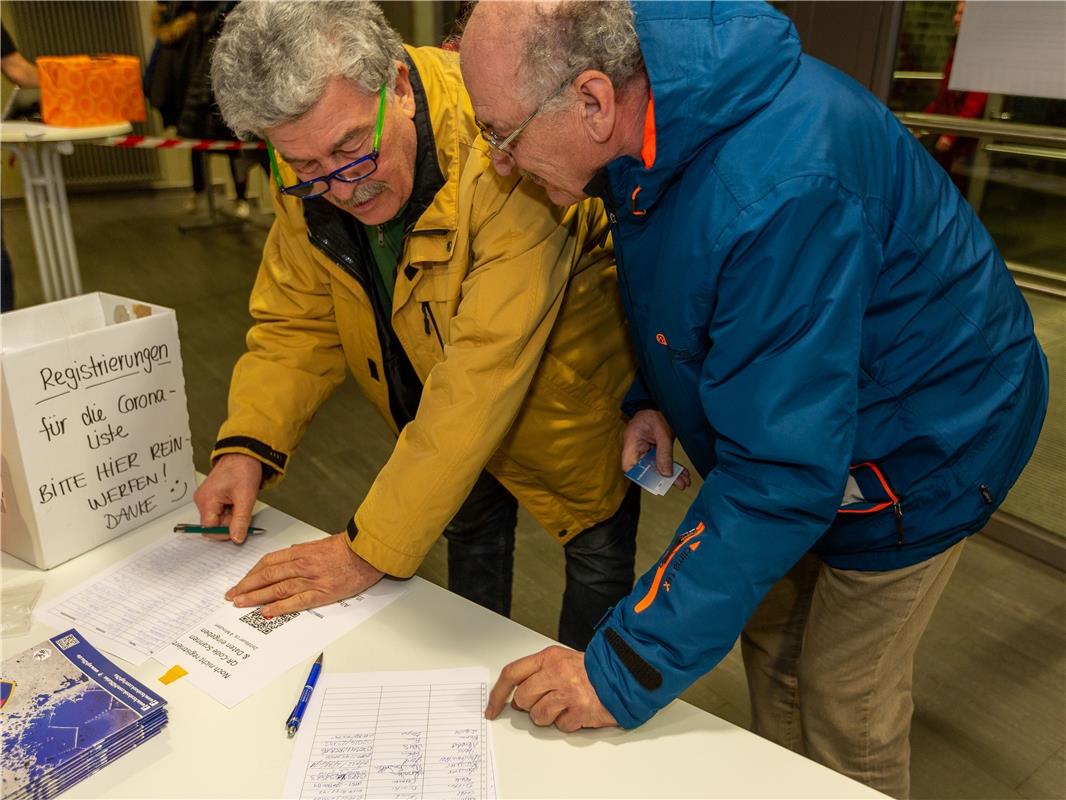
{"x":172,"y":674}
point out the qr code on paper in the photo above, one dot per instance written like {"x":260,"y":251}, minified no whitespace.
{"x":67,"y":642}
{"x":264,"y":625}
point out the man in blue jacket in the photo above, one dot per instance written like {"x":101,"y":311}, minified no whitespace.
{"x":823,"y":322}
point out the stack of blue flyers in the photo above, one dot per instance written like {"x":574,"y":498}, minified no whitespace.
{"x":67,"y":712}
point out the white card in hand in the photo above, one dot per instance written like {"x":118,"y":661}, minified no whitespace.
{"x":645,"y":474}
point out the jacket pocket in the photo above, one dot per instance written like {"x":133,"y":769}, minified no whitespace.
{"x":426,"y":314}
{"x":868,"y":491}
{"x":429,"y":323}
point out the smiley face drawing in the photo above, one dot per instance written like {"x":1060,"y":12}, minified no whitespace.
{"x":179,"y":490}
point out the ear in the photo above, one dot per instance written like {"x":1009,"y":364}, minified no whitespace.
{"x":405,"y":94}
{"x":599,"y":109}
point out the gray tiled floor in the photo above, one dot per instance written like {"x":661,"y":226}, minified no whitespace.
{"x":990,"y":690}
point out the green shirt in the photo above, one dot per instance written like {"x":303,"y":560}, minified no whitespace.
{"x":386,"y":243}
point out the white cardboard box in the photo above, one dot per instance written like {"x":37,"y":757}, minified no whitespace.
{"x":94,"y":421}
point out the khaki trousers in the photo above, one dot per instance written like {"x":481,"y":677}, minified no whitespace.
{"x":829,"y":656}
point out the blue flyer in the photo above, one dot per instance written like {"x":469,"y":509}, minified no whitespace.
{"x":67,"y":711}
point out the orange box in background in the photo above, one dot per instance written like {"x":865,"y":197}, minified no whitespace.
{"x":80,"y":91}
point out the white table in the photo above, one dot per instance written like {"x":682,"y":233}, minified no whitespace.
{"x":37,"y":147}
{"x":209,"y":751}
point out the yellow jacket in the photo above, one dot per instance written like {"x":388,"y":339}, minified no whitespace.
{"x":524,"y":365}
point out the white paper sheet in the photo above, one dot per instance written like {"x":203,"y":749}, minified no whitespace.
{"x":1012,"y":48}
{"x":144,"y":602}
{"x":167,"y":601}
{"x":235,"y":652}
{"x":395,"y":735}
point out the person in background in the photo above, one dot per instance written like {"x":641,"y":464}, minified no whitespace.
{"x":823,"y":321}
{"x":482,"y":322}
{"x":171,"y":66}
{"x":14,"y":65}
{"x":949,"y":149}
{"x":179,"y":86}
{"x":22,"y":73}
{"x":177,"y":57}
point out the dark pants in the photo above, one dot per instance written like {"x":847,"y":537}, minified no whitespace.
{"x":238,"y":171}
{"x":599,"y":560}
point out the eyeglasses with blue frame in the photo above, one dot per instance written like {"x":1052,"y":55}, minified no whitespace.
{"x":353,"y":172}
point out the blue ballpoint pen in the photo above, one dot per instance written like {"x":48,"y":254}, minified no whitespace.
{"x":293,"y":723}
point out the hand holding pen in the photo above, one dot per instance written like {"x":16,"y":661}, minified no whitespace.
{"x":296,"y":717}
{"x":227,"y":496}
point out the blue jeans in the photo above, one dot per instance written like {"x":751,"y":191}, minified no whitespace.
{"x":599,"y":560}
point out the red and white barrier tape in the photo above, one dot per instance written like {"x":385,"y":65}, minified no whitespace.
{"x":159,"y":143}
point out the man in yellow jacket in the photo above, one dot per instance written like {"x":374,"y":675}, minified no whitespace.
{"x":483,"y":323}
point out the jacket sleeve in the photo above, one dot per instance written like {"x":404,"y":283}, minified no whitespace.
{"x":638,"y":398}
{"x":778,"y":386}
{"x":523,"y":254}
{"x":294,"y":359}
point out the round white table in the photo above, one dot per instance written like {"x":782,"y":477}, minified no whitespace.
{"x":37,"y":147}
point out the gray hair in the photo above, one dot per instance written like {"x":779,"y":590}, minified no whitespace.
{"x":273,"y":60}
{"x":570,"y":37}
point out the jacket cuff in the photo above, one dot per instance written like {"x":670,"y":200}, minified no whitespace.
{"x":380,"y":554}
{"x":638,"y":398}
{"x":623,"y":680}
{"x":631,"y":409}
{"x":273,"y":461}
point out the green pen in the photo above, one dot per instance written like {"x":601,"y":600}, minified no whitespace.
{"x":186,"y":527}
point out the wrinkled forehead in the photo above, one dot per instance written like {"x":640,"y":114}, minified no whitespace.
{"x":344,"y":115}
{"x":490,"y":72}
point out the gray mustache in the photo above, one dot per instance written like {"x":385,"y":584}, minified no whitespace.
{"x":362,"y":193}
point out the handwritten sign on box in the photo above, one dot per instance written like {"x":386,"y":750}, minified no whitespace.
{"x":95,"y":424}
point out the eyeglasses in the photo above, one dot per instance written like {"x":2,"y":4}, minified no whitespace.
{"x":353,"y":172}
{"x":503,"y":144}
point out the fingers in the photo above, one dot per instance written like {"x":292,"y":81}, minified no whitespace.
{"x":548,"y":708}
{"x":664,"y":455}
{"x":211,"y":513}
{"x":269,"y":569}
{"x":510,"y":677}
{"x":243,"y":500}
{"x":572,"y":719}
{"x":228,"y":494}
{"x":498,"y":695}
{"x":631,"y":455}
{"x":554,"y":688}
{"x":634,"y":444}
{"x":301,"y":601}
{"x":239,"y":521}
{"x":530,"y":692}
{"x":211,"y":509}
{"x":684,"y":480}
{"x":647,"y":428}
{"x":274,"y":593}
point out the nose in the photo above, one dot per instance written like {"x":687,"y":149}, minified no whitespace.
{"x":341,"y":190}
{"x":503,"y":162}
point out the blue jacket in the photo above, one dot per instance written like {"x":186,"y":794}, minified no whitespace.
{"x":823,"y":320}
